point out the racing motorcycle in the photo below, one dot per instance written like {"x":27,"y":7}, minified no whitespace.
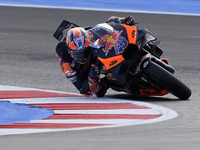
{"x":130,"y":59}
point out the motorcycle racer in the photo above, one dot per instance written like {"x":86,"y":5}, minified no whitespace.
{"x":77,"y":63}
{"x":79,"y":66}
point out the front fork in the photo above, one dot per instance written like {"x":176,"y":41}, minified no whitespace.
{"x":143,"y":64}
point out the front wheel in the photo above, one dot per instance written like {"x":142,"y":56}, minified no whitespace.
{"x":168,"y":81}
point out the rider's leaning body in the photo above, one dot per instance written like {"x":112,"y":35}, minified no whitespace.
{"x":84,"y":74}
{"x":79,"y":65}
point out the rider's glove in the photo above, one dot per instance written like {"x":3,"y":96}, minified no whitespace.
{"x":128,"y":20}
{"x":93,"y":79}
{"x":94,"y":72}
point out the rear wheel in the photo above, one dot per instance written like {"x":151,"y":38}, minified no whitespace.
{"x":168,"y":81}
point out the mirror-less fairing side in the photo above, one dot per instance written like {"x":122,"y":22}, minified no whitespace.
{"x":64,"y":25}
{"x":148,"y":41}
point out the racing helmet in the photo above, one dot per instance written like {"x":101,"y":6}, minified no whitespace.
{"x":78,"y":41}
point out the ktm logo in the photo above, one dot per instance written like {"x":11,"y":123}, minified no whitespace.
{"x":113,"y":62}
{"x":133,"y":34}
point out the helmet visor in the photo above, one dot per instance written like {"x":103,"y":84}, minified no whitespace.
{"x":80,"y":56}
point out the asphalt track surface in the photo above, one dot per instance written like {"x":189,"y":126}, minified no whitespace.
{"x":28,"y":59}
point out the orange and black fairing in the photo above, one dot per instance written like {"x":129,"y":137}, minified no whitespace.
{"x":132,"y":33}
{"x":114,"y":43}
{"x":111,"y":62}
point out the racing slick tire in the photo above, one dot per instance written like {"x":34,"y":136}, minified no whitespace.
{"x":168,"y":81}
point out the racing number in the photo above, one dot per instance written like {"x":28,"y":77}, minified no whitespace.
{"x":120,"y":45}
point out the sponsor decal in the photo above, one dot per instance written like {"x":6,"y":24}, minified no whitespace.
{"x":90,"y":34}
{"x":145,"y":64}
{"x":133,"y":34}
{"x":70,"y":73}
{"x":110,"y":77}
{"x":102,"y":40}
{"x":112,"y":63}
{"x":72,"y":79}
{"x":141,"y":61}
{"x":111,"y":40}
{"x":120,"y":45}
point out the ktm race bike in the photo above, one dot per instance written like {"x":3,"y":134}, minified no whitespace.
{"x":130,"y":59}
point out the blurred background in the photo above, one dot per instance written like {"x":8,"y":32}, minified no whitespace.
{"x":191,"y":7}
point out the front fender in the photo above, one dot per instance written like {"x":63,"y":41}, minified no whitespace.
{"x":143,"y":63}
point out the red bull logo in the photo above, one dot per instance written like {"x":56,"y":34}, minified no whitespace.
{"x":103,"y":39}
{"x":111,"y":41}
